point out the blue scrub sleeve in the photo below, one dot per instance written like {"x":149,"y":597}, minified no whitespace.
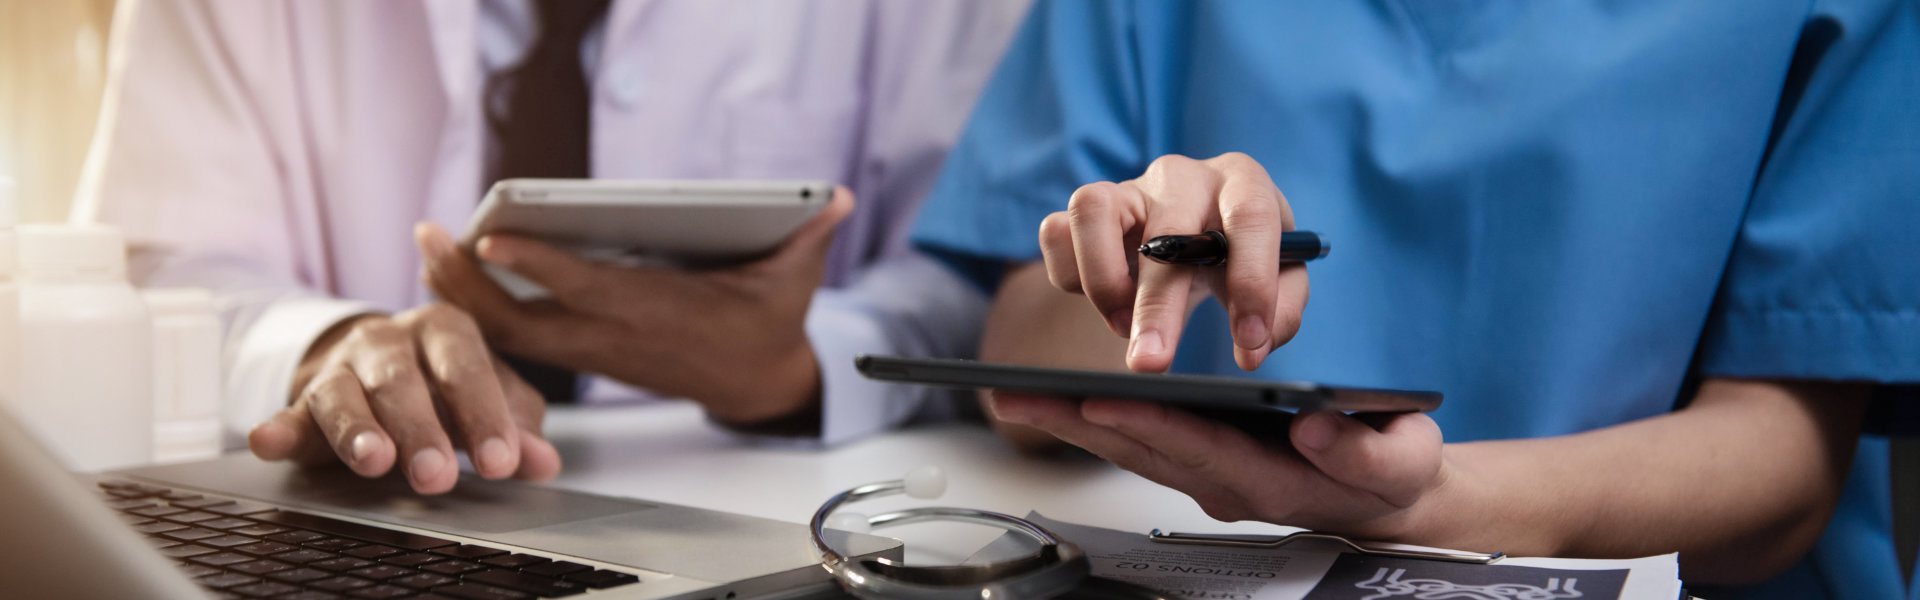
{"x":1063,"y":110}
{"x":1824,"y":278}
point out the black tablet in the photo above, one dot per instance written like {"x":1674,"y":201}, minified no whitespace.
{"x":1187,"y":390}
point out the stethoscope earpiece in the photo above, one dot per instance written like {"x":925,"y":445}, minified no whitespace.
{"x":926,"y":483}
{"x":849,"y":521}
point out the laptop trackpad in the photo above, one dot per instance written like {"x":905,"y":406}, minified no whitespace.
{"x":474,"y":504}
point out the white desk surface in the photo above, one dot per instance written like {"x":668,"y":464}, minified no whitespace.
{"x":668,"y":452}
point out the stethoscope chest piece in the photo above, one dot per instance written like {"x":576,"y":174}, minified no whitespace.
{"x":1048,"y":573}
{"x":1055,"y":569}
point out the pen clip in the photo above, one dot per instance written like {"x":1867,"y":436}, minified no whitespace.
{"x":1269,"y":541}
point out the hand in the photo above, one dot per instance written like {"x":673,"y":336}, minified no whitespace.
{"x":1091,"y":248}
{"x":420,"y":379}
{"x":733,"y":339}
{"x":1033,"y":323}
{"x":1369,"y":476}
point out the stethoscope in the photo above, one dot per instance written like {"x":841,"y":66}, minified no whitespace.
{"x":1057,"y":569}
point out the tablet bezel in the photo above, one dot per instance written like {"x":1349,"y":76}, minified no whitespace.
{"x":1191,"y":390}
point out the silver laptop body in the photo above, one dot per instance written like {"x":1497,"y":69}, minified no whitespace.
{"x":59,"y":538}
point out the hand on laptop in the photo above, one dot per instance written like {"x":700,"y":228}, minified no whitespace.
{"x":422,"y":381}
{"x":1091,"y":248}
{"x":732,"y":339}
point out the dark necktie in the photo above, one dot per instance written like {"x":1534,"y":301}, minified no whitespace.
{"x":540,"y":115}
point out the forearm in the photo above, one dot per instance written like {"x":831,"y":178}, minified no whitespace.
{"x":1741,"y":483}
{"x":1034,"y":323}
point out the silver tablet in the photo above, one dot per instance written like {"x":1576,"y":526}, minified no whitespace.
{"x":693,"y":224}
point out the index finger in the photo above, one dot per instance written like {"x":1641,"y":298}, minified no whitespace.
{"x":1215,"y":450}
{"x":510,"y":324}
{"x":456,"y":276}
{"x":1179,"y":195}
{"x":387,"y":365}
{"x":1067,"y":420}
{"x":815,"y":236}
{"x":572,"y":280}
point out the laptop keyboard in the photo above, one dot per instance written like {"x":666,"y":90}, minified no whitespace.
{"x":242,"y":549}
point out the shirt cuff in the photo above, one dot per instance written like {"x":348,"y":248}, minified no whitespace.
{"x":598,"y":389}
{"x":911,"y":306}
{"x":260,"y":371}
{"x":908,"y":305}
{"x":852,"y":406}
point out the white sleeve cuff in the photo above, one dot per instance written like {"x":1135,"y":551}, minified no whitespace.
{"x":909,"y":306}
{"x":852,"y":406}
{"x":260,"y":369}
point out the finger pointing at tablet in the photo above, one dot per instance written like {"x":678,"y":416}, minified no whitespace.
{"x":1091,"y":248}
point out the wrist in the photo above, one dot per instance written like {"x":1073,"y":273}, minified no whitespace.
{"x":786,"y":402}
{"x":1427,"y":519}
{"x":1469,"y":509}
{"x":1436,"y":516}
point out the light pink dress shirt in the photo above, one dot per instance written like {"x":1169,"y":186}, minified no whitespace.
{"x":279,"y":152}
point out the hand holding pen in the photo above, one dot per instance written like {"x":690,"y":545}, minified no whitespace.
{"x":1209,"y":248}
{"x":1087,"y":251}
{"x":1373,"y":477}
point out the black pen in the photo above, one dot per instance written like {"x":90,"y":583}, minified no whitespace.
{"x":1210,"y":249}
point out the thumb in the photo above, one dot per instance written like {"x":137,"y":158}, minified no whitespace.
{"x":813,"y":237}
{"x":292,"y":435}
{"x":1394,"y":461}
{"x":432,"y":240}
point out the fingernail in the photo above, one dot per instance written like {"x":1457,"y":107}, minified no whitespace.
{"x":1316,"y":433}
{"x":495,"y":456}
{"x":426,"y":464}
{"x":438,"y":245}
{"x":1010,"y":411}
{"x":264,"y":428}
{"x":363,"y":446}
{"x":1147,"y":343}
{"x":492,"y":252}
{"x":1104,"y":418}
{"x":1251,"y":332}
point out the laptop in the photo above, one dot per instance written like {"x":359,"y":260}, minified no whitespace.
{"x":237,"y":527}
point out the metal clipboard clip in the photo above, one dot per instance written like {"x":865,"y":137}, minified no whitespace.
{"x":1270,"y":541}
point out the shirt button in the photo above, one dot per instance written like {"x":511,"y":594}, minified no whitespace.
{"x":624,"y":89}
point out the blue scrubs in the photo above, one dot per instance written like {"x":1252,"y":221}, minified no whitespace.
{"x":1554,"y":212}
